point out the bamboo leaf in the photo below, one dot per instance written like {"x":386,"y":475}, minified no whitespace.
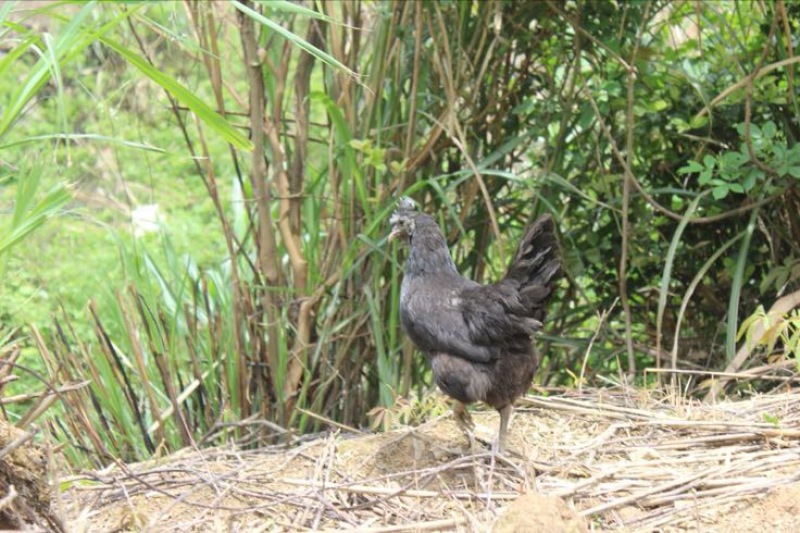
{"x":69,"y":43}
{"x":293,"y":38}
{"x":183,"y":95}
{"x":295,"y":8}
{"x":28,"y":216}
{"x":87,"y":136}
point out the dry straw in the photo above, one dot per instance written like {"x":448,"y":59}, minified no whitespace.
{"x":620,"y":459}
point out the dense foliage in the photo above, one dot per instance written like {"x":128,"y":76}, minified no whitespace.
{"x":275,"y":138}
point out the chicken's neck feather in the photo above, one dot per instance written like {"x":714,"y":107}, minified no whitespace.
{"x":429,"y":253}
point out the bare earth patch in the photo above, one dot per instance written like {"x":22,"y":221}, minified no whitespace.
{"x":595,"y":461}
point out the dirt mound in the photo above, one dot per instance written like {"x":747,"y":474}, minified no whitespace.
{"x":24,"y":483}
{"x":532,"y":513}
{"x":615,"y":460}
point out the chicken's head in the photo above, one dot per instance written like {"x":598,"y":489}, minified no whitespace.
{"x":402,"y":220}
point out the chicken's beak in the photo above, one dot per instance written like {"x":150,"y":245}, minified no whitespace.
{"x":394,"y":234}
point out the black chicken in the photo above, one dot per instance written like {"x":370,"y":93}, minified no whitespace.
{"x":478,"y":338}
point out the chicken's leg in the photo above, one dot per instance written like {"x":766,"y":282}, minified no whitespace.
{"x":465,"y":422}
{"x":505,"y":416}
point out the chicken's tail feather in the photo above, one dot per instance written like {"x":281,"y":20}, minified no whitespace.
{"x":536,"y":266}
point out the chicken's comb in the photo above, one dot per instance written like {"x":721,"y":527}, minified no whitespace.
{"x":403,"y":204}
{"x":406,"y":204}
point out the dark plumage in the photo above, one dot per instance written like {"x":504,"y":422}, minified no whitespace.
{"x":478,"y":338}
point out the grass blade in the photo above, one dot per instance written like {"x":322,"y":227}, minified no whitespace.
{"x":666,"y":277}
{"x":690,"y":291}
{"x":732,"y":326}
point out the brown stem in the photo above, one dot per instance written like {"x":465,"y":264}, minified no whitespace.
{"x":626,"y":192}
{"x":265,"y":235}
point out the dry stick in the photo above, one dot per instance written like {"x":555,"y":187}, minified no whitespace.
{"x":600,"y":322}
{"x":743,"y":464}
{"x":753,"y":373}
{"x":180,"y":498}
{"x":580,"y":410}
{"x":328,"y":421}
{"x":626,"y":194}
{"x":781,"y":7}
{"x":720,"y":488}
{"x":12,"y":353}
{"x":424,"y":473}
{"x":761,"y":72}
{"x":320,"y":460}
{"x":619,"y":502}
{"x":665,"y":517}
{"x":594,"y":480}
{"x":412,"y":493}
{"x":429,"y":474}
{"x":759,"y":427}
{"x":437,"y":525}
{"x":593,"y":407}
{"x":412,"y":112}
{"x":219,"y":429}
{"x":598,"y":441}
{"x":20,"y":398}
{"x":456,"y":133}
{"x":19,"y":441}
{"x":426,"y":476}
{"x":474,"y":523}
{"x":323,"y":469}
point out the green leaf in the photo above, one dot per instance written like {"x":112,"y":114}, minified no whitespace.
{"x":295,"y":8}
{"x":719,"y":192}
{"x":29,"y":213}
{"x":362,"y":145}
{"x":793,"y":155}
{"x":397,"y":166}
{"x":690,"y":168}
{"x":293,"y":38}
{"x":749,"y":181}
{"x":659,"y":105}
{"x":69,"y":43}
{"x":666,"y":276}
{"x":183,"y":95}
{"x":87,"y":136}
{"x":769,"y":130}
{"x":698,"y":122}
{"x":736,"y":287}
